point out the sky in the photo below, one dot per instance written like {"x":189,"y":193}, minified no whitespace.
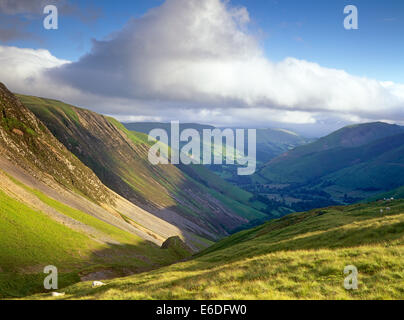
{"x":272,"y":63}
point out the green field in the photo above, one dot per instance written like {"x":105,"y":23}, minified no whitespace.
{"x":300,"y":256}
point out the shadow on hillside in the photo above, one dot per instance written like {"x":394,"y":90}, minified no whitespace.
{"x":112,"y":261}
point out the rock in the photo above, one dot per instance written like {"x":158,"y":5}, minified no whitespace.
{"x":175,"y":243}
{"x":18,"y":131}
{"x":57,"y":294}
{"x":98,"y":284}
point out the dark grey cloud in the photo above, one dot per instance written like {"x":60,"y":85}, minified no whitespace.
{"x":16,"y":15}
{"x":12,"y":7}
{"x":12,"y":28}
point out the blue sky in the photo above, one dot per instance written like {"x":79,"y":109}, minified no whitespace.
{"x":278,"y":63}
{"x":311,"y":30}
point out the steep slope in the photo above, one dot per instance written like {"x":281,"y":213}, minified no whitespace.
{"x":36,"y":231}
{"x":27,"y":142}
{"x":273,"y":142}
{"x":349,"y":165}
{"x":31,"y":154}
{"x":54,"y":210}
{"x":270,"y":142}
{"x":327,"y":154}
{"x":119,"y":158}
{"x":301,"y":256}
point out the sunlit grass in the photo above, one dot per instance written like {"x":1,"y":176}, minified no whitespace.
{"x":301,"y":256}
{"x":30,"y":240}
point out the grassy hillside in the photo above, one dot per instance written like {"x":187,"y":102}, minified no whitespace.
{"x":302,"y":255}
{"x":270,"y":143}
{"x":31,"y":239}
{"x":273,"y":142}
{"x":335,"y":152}
{"x":28,"y":143}
{"x":396,"y":194}
{"x":119,"y":158}
{"x":349,"y":165}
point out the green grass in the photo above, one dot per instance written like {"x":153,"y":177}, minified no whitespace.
{"x":113,"y":232}
{"x":135,"y":137}
{"x":48,"y":106}
{"x":13,"y":123}
{"x":396,"y":193}
{"x":300,"y":256}
{"x":31,"y":240}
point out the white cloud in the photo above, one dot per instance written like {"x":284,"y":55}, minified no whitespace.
{"x":23,"y":70}
{"x":195,"y":59}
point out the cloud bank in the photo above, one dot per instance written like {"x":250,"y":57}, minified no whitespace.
{"x":197,"y":57}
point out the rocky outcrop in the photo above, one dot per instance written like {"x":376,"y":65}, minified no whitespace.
{"x":26,"y":141}
{"x":176,"y":244}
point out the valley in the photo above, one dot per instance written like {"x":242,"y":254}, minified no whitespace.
{"x":223,"y":151}
{"x":85,"y":178}
{"x":77,"y":191}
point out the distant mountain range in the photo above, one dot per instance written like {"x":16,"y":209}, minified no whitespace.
{"x":349,"y":165}
{"x":270,"y":142}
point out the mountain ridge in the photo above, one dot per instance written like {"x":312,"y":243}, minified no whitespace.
{"x":120,"y":159}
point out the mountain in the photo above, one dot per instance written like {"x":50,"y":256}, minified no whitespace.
{"x":348,"y":165}
{"x":55,"y":211}
{"x":300,"y":256}
{"x":273,"y":142}
{"x":146,"y":127}
{"x":28,"y":143}
{"x":270,"y":142}
{"x":395,"y":194}
{"x":119,"y":158}
{"x":32,"y":155}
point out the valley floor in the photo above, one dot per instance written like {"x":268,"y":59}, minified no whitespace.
{"x":301,"y":256}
